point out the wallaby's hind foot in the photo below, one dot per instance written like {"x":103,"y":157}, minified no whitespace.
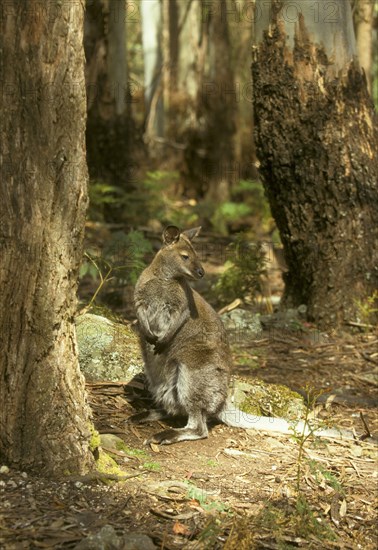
{"x":174,"y":435}
{"x":196,"y":428}
{"x":147,"y":416}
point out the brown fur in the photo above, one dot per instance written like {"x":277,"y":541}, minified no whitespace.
{"x":185,"y":348}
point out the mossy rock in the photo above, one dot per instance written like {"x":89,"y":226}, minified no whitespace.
{"x":261,"y":399}
{"x":108,"y":351}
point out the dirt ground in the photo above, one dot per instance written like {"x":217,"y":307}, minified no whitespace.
{"x":236,"y":489}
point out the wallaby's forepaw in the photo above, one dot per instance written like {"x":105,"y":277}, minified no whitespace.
{"x":166,"y":437}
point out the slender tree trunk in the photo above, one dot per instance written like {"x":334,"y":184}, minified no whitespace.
{"x":210,"y":153}
{"x":117,"y":61}
{"x":363,"y":22}
{"x":317,"y":139}
{"x":173,"y":25}
{"x":44,"y":418}
{"x":152,"y":53}
{"x":109,"y":124}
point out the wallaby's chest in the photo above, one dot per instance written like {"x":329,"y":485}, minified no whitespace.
{"x":156,"y":293}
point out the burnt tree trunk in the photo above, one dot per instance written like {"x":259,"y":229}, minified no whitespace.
{"x":44,"y":418}
{"x":317,"y":137}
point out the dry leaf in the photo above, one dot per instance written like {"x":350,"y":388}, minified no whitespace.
{"x":180,"y":529}
{"x":343,"y":508}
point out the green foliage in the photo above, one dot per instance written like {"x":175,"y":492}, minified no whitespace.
{"x":123,"y":257}
{"x":253,"y":193}
{"x":138,"y":453}
{"x":242,"y":271}
{"x":280,"y":517}
{"x":89,"y":268}
{"x":228,"y":212}
{"x":153,"y":198}
{"x":301,"y":436}
{"x":320,"y":473}
{"x":100,"y":195}
{"x":368,"y":309}
{"x":209,"y":535}
{"x":248,"y":205}
{"x":307,"y":523}
{"x":206,"y":502}
{"x":152,"y":466}
{"x":126,"y":252}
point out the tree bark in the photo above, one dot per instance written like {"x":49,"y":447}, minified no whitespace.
{"x":152,"y":53}
{"x":210,"y":152}
{"x":317,"y":139}
{"x":44,"y":418}
{"x":363,"y":23}
{"x":109,"y":125}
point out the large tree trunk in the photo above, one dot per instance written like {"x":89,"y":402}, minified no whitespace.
{"x":317,"y":138}
{"x":44,"y":418}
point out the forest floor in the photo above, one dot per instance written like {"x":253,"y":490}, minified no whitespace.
{"x":236,"y":489}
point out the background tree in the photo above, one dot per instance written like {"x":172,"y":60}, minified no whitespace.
{"x":44,"y":419}
{"x":151,"y":11}
{"x":109,"y":126}
{"x":210,"y":152}
{"x":363,"y":12}
{"x":317,"y":139}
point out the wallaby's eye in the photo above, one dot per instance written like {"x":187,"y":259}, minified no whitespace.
{"x":185,"y":257}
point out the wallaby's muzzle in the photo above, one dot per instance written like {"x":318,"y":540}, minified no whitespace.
{"x":200,"y":272}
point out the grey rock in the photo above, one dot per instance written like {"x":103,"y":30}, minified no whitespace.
{"x":105,"y":539}
{"x":242,"y":325}
{"x":136,"y":541}
{"x":108,"y":351}
{"x":111,"y":441}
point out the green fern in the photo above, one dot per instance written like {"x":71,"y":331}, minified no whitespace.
{"x":242,"y":271}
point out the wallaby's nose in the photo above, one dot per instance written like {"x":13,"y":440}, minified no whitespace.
{"x":200,"y":272}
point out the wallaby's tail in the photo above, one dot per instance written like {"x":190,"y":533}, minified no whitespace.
{"x":234,"y":417}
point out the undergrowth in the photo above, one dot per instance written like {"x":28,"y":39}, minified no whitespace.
{"x":243,"y":270}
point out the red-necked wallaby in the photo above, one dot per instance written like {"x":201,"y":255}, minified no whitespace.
{"x":185,"y":347}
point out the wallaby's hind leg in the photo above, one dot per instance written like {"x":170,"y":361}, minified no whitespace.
{"x":147,"y":416}
{"x":196,"y":428}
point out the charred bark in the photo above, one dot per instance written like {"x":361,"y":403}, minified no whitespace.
{"x":317,"y":141}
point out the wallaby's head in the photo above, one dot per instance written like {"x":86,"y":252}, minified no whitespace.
{"x":180,"y":258}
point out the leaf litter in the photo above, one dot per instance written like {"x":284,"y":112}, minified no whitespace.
{"x":235,"y":489}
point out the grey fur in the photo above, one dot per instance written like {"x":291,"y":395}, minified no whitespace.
{"x":185,"y":348}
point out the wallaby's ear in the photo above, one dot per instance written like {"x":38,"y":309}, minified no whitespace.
{"x":171,"y":234}
{"x":192,"y":233}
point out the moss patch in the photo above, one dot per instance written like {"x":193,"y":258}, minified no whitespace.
{"x":258,"y":398}
{"x":107,"y":465}
{"x":95,"y":440}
